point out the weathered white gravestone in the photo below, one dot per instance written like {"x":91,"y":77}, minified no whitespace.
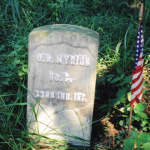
{"x":61,"y":81}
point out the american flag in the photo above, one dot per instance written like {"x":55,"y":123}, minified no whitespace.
{"x":137,"y":75}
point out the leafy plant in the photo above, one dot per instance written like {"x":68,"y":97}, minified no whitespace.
{"x":137,"y":141}
{"x":141,"y":117}
{"x":119,"y":103}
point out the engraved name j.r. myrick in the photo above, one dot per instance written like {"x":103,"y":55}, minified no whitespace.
{"x":64,"y":59}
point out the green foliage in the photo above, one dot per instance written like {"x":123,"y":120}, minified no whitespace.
{"x":119,"y":104}
{"x":142,"y":141}
{"x":141,"y":117}
{"x":129,"y":144}
{"x":145,"y":137}
{"x":134,"y":134}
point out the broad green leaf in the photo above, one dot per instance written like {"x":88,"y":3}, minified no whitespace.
{"x":139,"y":107}
{"x":121,"y":122}
{"x":122,"y":76}
{"x":143,"y":115}
{"x":129,"y":144}
{"x":121,"y":93}
{"x":146,"y":146}
{"x":145,"y":137}
{"x":115,"y":80}
{"x":126,"y":80}
{"x":145,"y":129}
{"x":114,"y":101}
{"x":145,"y":122}
{"x":134,"y":134}
{"x":135,"y":117}
{"x":139,"y":149}
{"x":138,"y":142}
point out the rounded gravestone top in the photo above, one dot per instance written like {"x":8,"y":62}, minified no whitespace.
{"x":67,"y":27}
{"x":72,"y":35}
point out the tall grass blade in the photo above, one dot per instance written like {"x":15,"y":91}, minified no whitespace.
{"x":117,"y":49}
{"x":125,"y":48}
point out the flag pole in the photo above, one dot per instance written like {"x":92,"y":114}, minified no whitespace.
{"x":141,"y":14}
{"x":131,"y":107}
{"x":130,"y":120}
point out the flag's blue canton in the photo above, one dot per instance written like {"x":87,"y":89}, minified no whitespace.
{"x":139,"y":45}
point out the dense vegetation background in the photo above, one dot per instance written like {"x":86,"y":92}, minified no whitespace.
{"x":116,"y":21}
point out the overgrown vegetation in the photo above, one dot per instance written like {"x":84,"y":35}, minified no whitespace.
{"x":117,"y":23}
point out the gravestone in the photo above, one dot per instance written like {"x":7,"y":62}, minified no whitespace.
{"x":61,"y":82}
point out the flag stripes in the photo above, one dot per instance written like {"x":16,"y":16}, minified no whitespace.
{"x":137,"y":75}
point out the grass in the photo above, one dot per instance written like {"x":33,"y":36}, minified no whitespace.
{"x":116,"y":22}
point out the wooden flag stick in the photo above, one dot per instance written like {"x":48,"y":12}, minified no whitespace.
{"x":141,"y":13}
{"x":130,"y":118}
